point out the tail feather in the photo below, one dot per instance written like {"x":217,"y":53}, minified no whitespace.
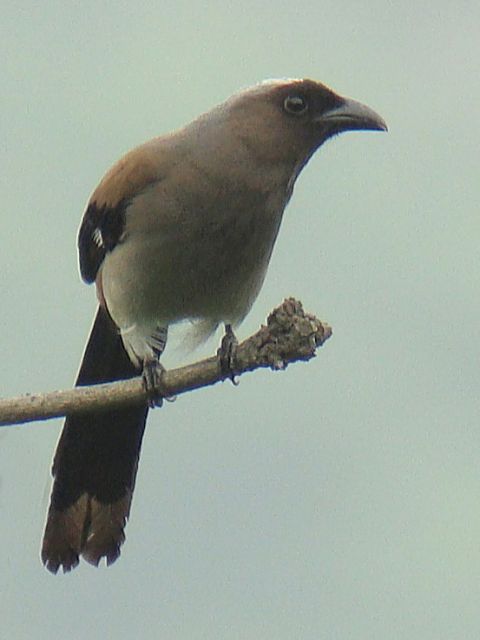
{"x":95,"y":463}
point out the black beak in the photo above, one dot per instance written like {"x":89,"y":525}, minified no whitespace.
{"x":351,"y":115}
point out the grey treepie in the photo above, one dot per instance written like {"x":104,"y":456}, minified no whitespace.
{"x":182,"y":227}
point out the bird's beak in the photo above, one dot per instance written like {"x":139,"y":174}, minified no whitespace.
{"x":351,"y":115}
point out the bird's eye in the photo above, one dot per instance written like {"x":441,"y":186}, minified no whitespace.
{"x":296,"y":105}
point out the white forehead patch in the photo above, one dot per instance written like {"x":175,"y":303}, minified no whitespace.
{"x":260,"y":87}
{"x":279,"y":81}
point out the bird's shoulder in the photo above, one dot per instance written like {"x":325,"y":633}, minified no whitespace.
{"x":131,"y":174}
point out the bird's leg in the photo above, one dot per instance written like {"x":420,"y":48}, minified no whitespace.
{"x":153,"y":370}
{"x":152,"y":375}
{"x":227,"y":352}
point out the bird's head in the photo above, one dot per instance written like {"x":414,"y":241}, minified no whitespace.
{"x":292,"y":118}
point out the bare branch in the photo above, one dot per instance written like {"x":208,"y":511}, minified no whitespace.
{"x":289,"y":335}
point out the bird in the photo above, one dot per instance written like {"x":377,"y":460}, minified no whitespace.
{"x":180,"y":228}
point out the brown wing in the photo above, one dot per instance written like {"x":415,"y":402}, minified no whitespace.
{"x":103,"y":222}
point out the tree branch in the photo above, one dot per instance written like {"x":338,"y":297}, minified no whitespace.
{"x":290,"y":335}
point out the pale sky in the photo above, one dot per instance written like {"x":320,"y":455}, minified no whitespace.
{"x":341,"y":498}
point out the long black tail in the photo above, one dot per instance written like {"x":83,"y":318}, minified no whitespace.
{"x":95,"y":463}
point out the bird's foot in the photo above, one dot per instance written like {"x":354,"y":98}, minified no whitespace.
{"x":152,"y":375}
{"x":226,"y":354}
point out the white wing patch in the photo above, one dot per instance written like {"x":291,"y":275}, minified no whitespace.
{"x":98,"y":238}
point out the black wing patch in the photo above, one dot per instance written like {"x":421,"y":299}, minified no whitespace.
{"x":101,"y":230}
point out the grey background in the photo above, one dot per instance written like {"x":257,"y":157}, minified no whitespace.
{"x":340,"y":499}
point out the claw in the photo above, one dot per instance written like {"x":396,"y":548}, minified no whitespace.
{"x":152,"y":375}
